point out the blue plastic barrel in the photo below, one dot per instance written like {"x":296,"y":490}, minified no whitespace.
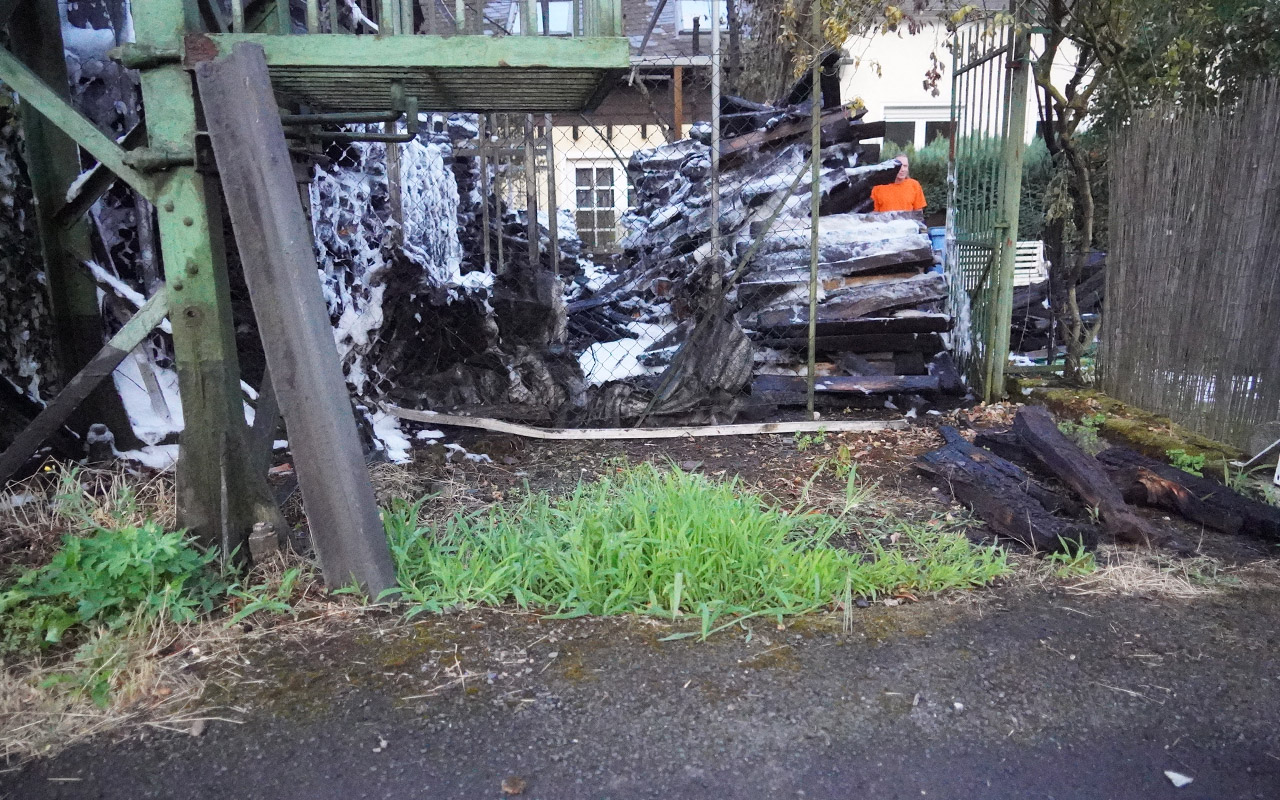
{"x":938,"y":238}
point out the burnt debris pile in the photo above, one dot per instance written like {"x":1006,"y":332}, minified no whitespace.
{"x":739,"y":311}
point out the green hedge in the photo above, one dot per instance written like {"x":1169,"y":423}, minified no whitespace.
{"x":929,"y":166}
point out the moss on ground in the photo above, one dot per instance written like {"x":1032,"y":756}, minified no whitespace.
{"x":1151,"y":434}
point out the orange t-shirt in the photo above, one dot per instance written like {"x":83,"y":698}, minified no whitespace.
{"x":905,"y":196}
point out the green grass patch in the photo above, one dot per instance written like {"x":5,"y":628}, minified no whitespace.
{"x":668,"y":543}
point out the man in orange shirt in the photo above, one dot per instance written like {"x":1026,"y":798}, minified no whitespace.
{"x":904,"y":194}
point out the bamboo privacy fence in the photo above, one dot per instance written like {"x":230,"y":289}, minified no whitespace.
{"x":1193,"y":283}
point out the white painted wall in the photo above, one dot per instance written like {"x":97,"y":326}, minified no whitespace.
{"x":887,"y":72}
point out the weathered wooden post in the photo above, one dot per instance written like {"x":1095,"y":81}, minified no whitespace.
{"x":280,"y":268}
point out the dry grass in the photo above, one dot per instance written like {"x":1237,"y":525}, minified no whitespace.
{"x":158,"y":674}
{"x":156,"y":670}
{"x":151,"y":682}
{"x":1130,"y":572}
{"x":66,"y":498}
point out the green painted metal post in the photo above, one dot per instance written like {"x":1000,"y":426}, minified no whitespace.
{"x":1010,"y":176}
{"x":219,"y":495}
{"x":815,"y":197}
{"x":53,"y":164}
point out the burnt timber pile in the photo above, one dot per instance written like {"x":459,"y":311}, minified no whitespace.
{"x":1032,"y":323}
{"x":880,"y":323}
{"x":1033,"y":485}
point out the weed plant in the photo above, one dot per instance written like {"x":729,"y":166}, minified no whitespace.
{"x":668,"y":543}
{"x":110,"y":579}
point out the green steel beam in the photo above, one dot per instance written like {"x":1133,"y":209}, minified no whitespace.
{"x":55,"y":108}
{"x":53,"y":165}
{"x":220,"y":495}
{"x":100,"y":179}
{"x":1012,"y":153}
{"x":339,"y":51}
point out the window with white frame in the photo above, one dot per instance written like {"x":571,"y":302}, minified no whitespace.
{"x":700,"y":9}
{"x":596,"y":214}
{"x":916,"y":126}
{"x":559,"y":12}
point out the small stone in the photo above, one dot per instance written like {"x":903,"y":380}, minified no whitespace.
{"x":1177,"y":778}
{"x":513,"y":785}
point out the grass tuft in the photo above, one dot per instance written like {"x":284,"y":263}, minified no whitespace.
{"x":669,"y":543}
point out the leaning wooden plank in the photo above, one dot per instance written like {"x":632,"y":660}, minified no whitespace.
{"x":737,"y":148}
{"x":1000,"y":498}
{"x":1086,"y":477}
{"x":694,"y":431}
{"x":280,"y":268}
{"x":82,"y":385}
{"x":1149,"y":482}
{"x":850,"y":384}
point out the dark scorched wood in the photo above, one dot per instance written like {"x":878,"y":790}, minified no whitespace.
{"x":1084,"y":475}
{"x":1149,"y":482}
{"x":1002,"y":495}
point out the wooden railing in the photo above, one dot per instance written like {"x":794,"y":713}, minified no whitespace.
{"x":558,"y":18}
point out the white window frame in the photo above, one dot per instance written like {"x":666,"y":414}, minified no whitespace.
{"x":559,"y":10}
{"x":919,"y":114}
{"x":686,"y":10}
{"x":619,"y":189}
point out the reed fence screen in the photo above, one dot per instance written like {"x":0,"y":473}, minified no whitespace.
{"x":1192,"y":311}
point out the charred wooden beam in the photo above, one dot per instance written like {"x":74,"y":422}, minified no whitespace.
{"x":1002,"y":495}
{"x":1149,"y":482}
{"x":911,"y":323}
{"x":869,"y":343}
{"x":858,"y":301}
{"x":791,"y":266}
{"x":1084,"y":475}
{"x":850,"y":384}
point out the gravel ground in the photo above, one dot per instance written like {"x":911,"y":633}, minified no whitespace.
{"x":1017,"y":693}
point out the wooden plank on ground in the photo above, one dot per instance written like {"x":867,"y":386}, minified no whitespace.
{"x":1153,"y":483}
{"x":850,"y":384}
{"x":280,"y":268}
{"x":689,"y":431}
{"x":82,"y":385}
{"x":1086,"y":477}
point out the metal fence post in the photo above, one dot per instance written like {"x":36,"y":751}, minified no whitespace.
{"x":1011,"y":155}
{"x":815,"y":195}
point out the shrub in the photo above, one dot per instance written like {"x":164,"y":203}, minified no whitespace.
{"x":111,"y":579}
{"x":929,"y":166}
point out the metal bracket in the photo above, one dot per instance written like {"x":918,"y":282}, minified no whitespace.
{"x":138,"y":56}
{"x":154,"y":159}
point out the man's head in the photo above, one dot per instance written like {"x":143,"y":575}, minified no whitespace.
{"x":904,"y":169}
